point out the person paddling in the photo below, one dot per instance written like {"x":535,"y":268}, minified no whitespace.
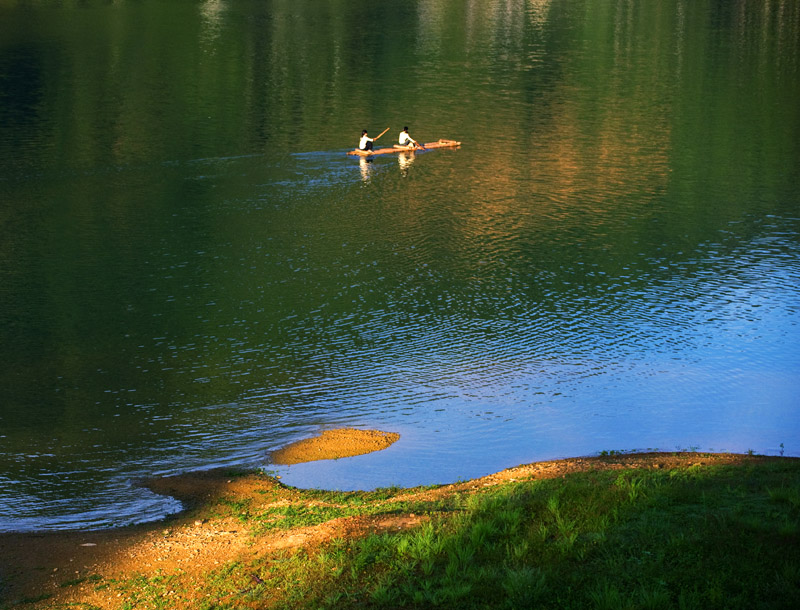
{"x":407,"y":140}
{"x":366,"y":142}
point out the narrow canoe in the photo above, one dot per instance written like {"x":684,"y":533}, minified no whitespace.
{"x":397,"y":148}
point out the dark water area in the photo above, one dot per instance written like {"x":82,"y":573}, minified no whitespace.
{"x":193,"y":272}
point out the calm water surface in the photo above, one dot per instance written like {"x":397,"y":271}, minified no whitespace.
{"x":193,"y":273}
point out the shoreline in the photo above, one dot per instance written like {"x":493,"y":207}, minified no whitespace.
{"x":62,"y":566}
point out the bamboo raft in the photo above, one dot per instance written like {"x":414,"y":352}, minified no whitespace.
{"x":397,"y":148}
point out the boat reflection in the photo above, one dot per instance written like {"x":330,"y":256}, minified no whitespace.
{"x":404,"y":160}
{"x":365,"y":165}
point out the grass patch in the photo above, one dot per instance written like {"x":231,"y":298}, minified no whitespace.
{"x":703,"y":537}
{"x":312,"y":507}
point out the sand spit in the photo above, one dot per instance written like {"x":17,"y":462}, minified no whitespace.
{"x":334,"y":444}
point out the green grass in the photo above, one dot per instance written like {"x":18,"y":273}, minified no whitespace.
{"x":710,"y":537}
{"x":701,"y":537}
{"x":314,"y":507}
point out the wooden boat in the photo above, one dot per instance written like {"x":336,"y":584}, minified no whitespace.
{"x":397,"y":148}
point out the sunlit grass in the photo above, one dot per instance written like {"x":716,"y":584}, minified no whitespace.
{"x":694,"y":538}
{"x":699,"y":537}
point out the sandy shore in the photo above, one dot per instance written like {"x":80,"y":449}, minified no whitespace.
{"x":64,"y":567}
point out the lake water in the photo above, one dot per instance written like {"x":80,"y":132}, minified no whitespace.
{"x":193,"y":272}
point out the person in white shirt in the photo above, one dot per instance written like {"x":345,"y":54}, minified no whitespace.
{"x":407,"y":140}
{"x":365,"y":143}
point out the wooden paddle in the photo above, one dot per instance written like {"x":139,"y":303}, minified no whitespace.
{"x":381,"y":133}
